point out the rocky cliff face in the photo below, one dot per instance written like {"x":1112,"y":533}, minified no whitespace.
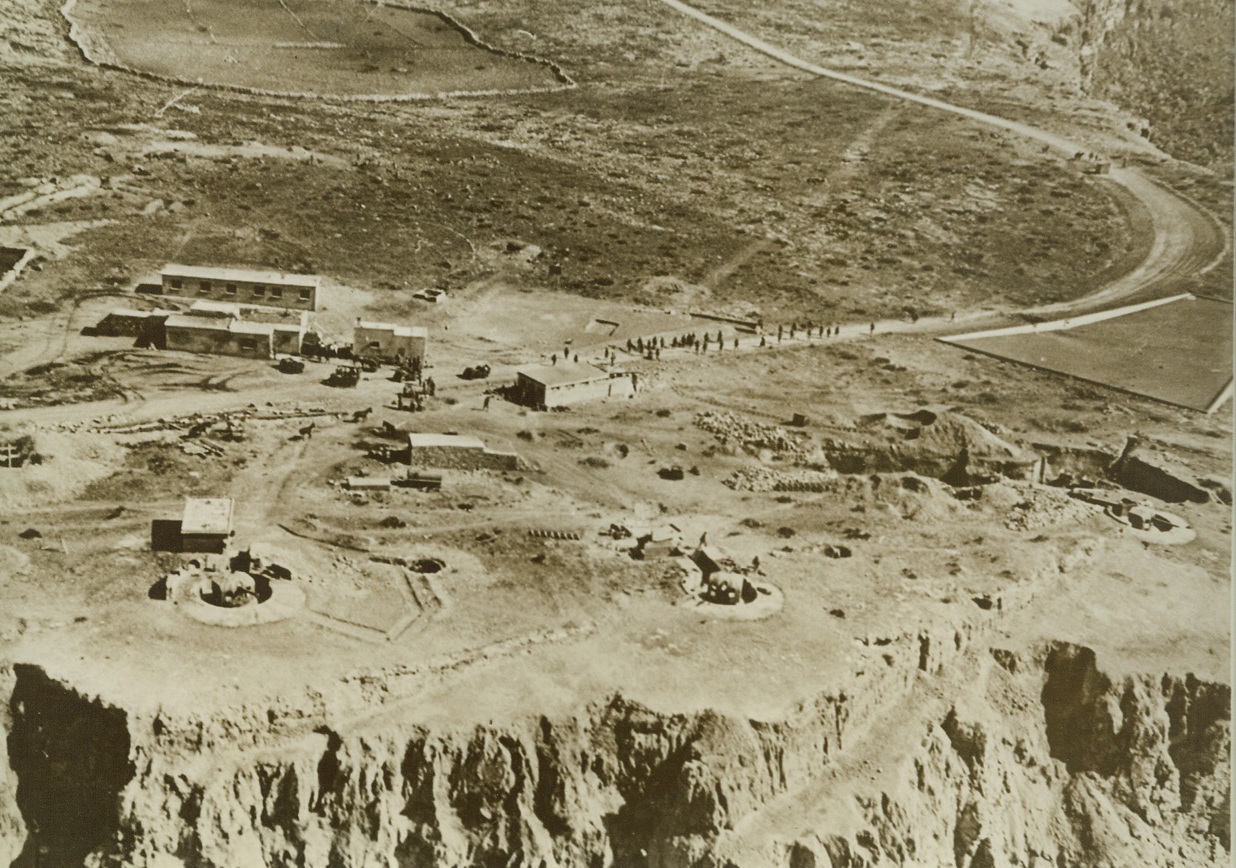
{"x":1091,"y":772}
{"x":12,"y":829}
{"x":1041,"y":758}
{"x":1170,"y":61}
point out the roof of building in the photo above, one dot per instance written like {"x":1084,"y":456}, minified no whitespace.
{"x":251,"y":312}
{"x":201,"y":323}
{"x":206,"y":307}
{"x":129,"y":313}
{"x":562,"y":374}
{"x":207,"y":515}
{"x":397,"y":330}
{"x":456,"y":441}
{"x":244,"y":275}
{"x":220,"y":324}
{"x":250,"y":328}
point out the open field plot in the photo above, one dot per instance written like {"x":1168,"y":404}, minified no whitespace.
{"x":1180,"y":353}
{"x":327,"y":47}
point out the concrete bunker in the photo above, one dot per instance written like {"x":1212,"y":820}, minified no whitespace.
{"x":716,"y":585}
{"x":236,"y":590}
{"x":657,"y":542}
{"x":1134,"y":472}
{"x":206,"y":525}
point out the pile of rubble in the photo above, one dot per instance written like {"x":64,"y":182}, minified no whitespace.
{"x":767,"y":479}
{"x":730,"y":429}
{"x":197,"y":423}
{"x":1039,"y":509}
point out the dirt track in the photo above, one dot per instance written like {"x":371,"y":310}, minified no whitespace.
{"x":1188,"y":240}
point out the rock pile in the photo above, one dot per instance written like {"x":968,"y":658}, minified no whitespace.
{"x":730,"y":429}
{"x":767,"y":479}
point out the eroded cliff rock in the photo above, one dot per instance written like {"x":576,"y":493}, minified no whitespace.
{"x":1027,"y":758}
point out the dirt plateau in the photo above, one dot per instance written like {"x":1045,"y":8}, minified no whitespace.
{"x":1036,"y":757}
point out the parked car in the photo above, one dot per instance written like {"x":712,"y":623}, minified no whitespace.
{"x":433,"y":296}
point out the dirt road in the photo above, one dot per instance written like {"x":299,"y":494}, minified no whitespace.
{"x":1187,"y":239}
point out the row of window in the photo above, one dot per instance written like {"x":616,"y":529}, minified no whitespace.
{"x":204,"y":288}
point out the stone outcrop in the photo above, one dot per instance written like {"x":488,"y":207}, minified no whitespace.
{"x":1040,"y":757}
{"x":1132,"y":470}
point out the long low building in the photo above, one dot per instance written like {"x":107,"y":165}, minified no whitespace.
{"x":125,"y":322}
{"x":214,"y":327}
{"x":242,"y":285}
{"x":225,"y":337}
{"x":569,"y":383}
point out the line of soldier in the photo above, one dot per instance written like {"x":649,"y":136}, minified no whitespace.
{"x":651,"y":348}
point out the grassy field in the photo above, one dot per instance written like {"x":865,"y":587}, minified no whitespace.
{"x":1180,"y":353}
{"x":330,"y":47}
{"x":789,"y":197}
{"x":679,"y":161}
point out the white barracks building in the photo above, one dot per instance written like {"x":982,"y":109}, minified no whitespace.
{"x":242,"y":286}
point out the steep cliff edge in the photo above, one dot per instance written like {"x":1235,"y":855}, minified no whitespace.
{"x":1045,"y":760}
{"x":1169,"y":61}
{"x":70,"y":759}
{"x":12,"y":829}
{"x":984,"y":758}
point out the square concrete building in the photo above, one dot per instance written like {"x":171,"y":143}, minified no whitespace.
{"x":206,"y":525}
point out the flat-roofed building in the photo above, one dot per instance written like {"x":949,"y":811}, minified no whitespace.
{"x":124,"y":322}
{"x":229,"y":329}
{"x":224,"y":337}
{"x":242,"y":286}
{"x":206,"y":525}
{"x":385,"y":341}
{"x":287,"y":327}
{"x":569,"y":383}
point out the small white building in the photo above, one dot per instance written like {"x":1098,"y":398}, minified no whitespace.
{"x":569,"y":383}
{"x":384,"y":341}
{"x":206,"y":525}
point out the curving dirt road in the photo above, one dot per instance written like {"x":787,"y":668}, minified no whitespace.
{"x":1188,"y":240}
